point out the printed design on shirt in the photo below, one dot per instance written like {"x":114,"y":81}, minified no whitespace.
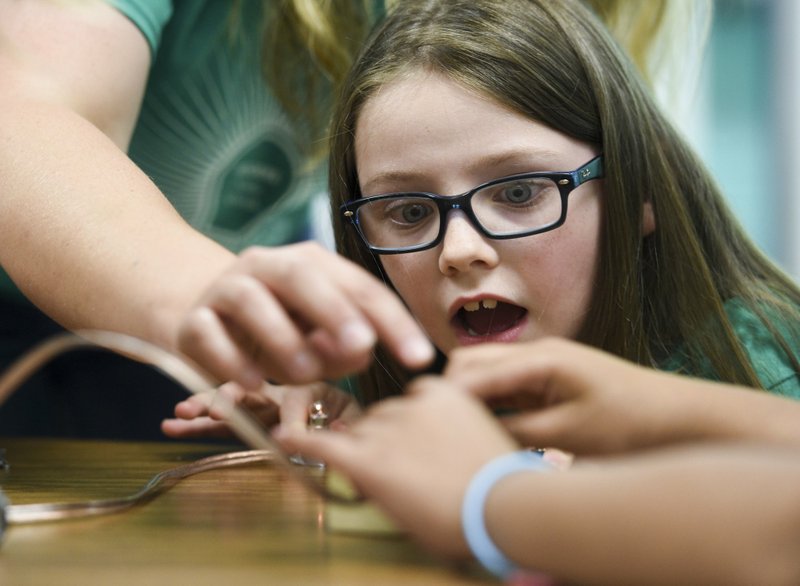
{"x":222,"y":150}
{"x":262,"y":173}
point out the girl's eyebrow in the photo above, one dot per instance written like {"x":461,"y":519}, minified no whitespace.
{"x":392,"y":178}
{"x":537,"y":159}
{"x":534,"y":160}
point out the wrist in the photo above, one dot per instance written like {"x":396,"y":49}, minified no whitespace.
{"x":473,"y":507}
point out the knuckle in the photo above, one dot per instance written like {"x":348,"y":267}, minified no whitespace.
{"x":193,"y":328}
{"x":555,"y":350}
{"x":457,"y":358}
{"x":369,"y":289}
{"x":268,"y":263}
{"x":243,"y":290}
{"x":253,"y":254}
{"x":291,"y":262}
{"x":554,"y":344}
{"x":309,"y":248}
{"x":418,"y":385}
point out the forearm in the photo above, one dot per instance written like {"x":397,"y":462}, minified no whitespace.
{"x":695,"y":410}
{"x":717,"y":515}
{"x":586,"y":401}
{"x":86,"y":235}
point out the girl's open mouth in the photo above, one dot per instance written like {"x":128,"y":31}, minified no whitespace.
{"x":487,"y":320}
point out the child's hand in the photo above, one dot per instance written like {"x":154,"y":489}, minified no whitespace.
{"x":413,"y":456}
{"x":202,"y":416}
{"x":566,"y":395}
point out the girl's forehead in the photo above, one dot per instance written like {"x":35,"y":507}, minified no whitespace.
{"x":429,"y":107}
{"x":427,"y":132}
{"x":415,"y":83}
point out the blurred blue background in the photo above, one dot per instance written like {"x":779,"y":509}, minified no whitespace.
{"x":744,"y":115}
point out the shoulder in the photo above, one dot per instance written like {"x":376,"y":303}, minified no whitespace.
{"x":149,"y":16}
{"x":769,"y":337}
{"x":773,"y":365}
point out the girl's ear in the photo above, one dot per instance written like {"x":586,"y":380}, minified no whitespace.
{"x":648,"y":219}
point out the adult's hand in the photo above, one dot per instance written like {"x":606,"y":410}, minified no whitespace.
{"x":297,"y":314}
{"x":92,"y":241}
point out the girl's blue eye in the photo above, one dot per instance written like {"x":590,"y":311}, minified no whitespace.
{"x":518,"y":193}
{"x":413,"y":213}
{"x":407,"y":212}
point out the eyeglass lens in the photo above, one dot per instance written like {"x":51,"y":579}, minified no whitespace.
{"x":507,"y":208}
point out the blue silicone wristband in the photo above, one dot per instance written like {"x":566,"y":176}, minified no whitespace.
{"x":472,"y":520}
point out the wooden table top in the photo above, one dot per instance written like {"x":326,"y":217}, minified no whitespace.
{"x":253,"y":524}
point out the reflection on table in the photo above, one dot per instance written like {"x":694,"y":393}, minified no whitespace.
{"x":253,"y":524}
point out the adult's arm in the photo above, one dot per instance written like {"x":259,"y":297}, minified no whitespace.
{"x":92,"y":241}
{"x":83,"y":232}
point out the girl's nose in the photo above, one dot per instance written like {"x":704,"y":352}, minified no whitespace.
{"x":464,"y":247}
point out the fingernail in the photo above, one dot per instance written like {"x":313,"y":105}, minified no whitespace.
{"x":250,"y":377}
{"x":305,"y":364}
{"x":356,"y":336}
{"x":417,"y":351}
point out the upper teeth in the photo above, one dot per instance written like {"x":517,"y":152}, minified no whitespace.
{"x":476,"y":305}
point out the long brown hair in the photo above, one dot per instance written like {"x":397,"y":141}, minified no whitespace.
{"x":556,"y":63}
{"x":307,"y":49}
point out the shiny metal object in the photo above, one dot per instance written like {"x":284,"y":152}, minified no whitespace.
{"x":161,"y":482}
{"x":317,"y":415}
{"x":243,"y":424}
{"x":317,"y":420}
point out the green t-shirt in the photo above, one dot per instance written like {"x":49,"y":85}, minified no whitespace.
{"x":210,"y":133}
{"x":769,"y":361}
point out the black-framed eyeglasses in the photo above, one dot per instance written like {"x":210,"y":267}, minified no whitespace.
{"x":510,"y":207}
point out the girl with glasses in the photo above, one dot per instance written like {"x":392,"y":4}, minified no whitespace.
{"x":513,"y":181}
{"x":502,"y":167}
{"x":523,"y":203}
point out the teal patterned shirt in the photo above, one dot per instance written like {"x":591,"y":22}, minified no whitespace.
{"x":210,"y":133}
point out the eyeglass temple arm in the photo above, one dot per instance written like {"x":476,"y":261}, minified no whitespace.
{"x":592,"y":170}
